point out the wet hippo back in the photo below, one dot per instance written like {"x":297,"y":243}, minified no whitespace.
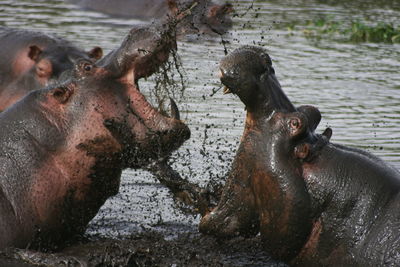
{"x":383,"y":242}
{"x":140,"y":9}
{"x":6,"y":222}
{"x":354,"y":197}
{"x":27,"y":143}
{"x":206,"y":17}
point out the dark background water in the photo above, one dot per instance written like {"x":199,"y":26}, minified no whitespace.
{"x":355,"y":86}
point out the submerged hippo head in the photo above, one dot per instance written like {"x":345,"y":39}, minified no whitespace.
{"x":215,"y":18}
{"x":50,"y":62}
{"x":205,"y":16}
{"x":72,"y":141}
{"x":32,"y":60}
{"x":292,"y":134}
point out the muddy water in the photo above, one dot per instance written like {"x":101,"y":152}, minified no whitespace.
{"x":355,"y":86}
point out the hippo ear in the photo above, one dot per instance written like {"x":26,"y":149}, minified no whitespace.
{"x":217,"y":10}
{"x":96,"y":53}
{"x":313,"y":115}
{"x":213,"y":12}
{"x":327,"y":133}
{"x":302,"y":151}
{"x":62,"y":93}
{"x":173,"y":6}
{"x":228,"y":8}
{"x":34,"y":52}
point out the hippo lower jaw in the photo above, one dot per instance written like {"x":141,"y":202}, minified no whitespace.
{"x":155,"y":137}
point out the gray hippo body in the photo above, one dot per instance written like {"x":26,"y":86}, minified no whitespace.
{"x":63,"y":148}
{"x":315,"y":203}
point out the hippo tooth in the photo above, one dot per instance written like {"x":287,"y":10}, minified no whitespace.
{"x":174,"y":110}
{"x":227,"y":91}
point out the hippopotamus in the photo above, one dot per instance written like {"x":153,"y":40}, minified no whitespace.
{"x":314,"y":203}
{"x":63,"y":147}
{"x":206,"y":18}
{"x":30,"y":60}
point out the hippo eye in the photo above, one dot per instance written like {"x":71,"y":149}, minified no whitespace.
{"x":87,"y":67}
{"x":294,"y":123}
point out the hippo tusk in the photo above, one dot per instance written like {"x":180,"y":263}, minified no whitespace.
{"x":227,"y":91}
{"x":174,"y":110}
{"x":181,"y":15}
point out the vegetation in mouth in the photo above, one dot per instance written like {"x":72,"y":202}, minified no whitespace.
{"x":169,"y":81}
{"x":353,"y":31}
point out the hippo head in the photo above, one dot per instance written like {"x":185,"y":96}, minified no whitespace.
{"x":52,"y":61}
{"x":293,"y":134}
{"x":205,"y":17}
{"x":248,"y":73}
{"x":288,"y":130}
{"x":107,"y":114}
{"x":217,"y":17}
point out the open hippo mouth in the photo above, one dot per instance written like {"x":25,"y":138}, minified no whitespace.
{"x":147,"y":135}
{"x":242,"y":69}
{"x":248,"y":73}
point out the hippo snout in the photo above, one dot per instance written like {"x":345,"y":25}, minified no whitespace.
{"x":172,"y":130}
{"x":175,"y":135}
{"x":215,"y":224}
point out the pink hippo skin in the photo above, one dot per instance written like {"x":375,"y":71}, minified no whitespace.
{"x":63,"y":148}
